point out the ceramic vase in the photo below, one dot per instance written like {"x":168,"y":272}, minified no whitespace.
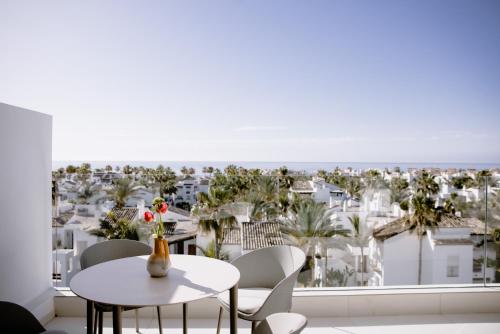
{"x":159,"y":261}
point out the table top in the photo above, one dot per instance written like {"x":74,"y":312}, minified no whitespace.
{"x":126,"y":282}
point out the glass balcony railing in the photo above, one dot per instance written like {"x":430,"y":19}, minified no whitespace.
{"x":358,"y":227}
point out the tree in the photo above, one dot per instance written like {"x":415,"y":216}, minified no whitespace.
{"x":184,"y":170}
{"x":113,"y":228}
{"x":424,"y":217}
{"x":424,"y":184}
{"x":353,"y":187}
{"x":70,"y":169}
{"x":399,"y":190}
{"x":310,"y":227}
{"x":209,"y":251}
{"x":214,"y":214}
{"x":481,"y":177}
{"x":322,"y":174}
{"x":127,"y":170}
{"x":338,"y":277}
{"x":165,"y":180}
{"x":284,"y":178}
{"x":121,"y":190}
{"x":373,"y":178}
{"x":108,"y":168}
{"x":208,"y":170}
{"x":86,"y":192}
{"x":460,"y":182}
{"x":84,"y":172}
{"x":360,"y":238}
{"x":455,"y":204}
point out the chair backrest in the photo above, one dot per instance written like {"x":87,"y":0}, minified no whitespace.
{"x":16,"y":319}
{"x":112,"y":250}
{"x":266,"y":267}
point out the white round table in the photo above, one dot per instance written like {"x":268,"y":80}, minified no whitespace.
{"x":126,"y":282}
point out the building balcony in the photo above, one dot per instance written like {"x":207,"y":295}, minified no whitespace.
{"x":410,"y":309}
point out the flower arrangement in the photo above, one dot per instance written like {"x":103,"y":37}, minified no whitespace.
{"x":159,"y":207}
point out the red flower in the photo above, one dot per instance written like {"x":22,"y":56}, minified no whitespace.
{"x":163,"y":208}
{"x":148,"y":216}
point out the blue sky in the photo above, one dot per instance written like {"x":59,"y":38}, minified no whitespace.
{"x":394,"y":81}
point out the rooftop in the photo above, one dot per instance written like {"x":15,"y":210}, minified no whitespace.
{"x":129,"y":214}
{"x":447,"y":221}
{"x":260,"y":235}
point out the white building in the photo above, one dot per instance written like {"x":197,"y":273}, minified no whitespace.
{"x":320,"y":191}
{"x":188,"y":187}
{"x":447,"y":253}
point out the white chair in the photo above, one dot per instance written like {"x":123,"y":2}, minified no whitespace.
{"x":282,"y":323}
{"x":268,"y":276}
{"x":113,"y":250}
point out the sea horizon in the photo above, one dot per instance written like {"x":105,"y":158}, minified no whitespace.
{"x":307,"y":166}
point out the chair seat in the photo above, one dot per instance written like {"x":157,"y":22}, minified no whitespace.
{"x":250,"y":300}
{"x":279,"y":323}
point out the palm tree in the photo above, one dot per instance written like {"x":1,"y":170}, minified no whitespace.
{"x":214,"y":214}
{"x":164,"y":179}
{"x":311,"y":224}
{"x":462,"y":182}
{"x":86,"y":192}
{"x":372,"y":178}
{"x":261,"y":209}
{"x":399,"y":190}
{"x":84,"y":172}
{"x":127,"y":170}
{"x":123,"y":189}
{"x":353,"y":187}
{"x":208,"y":170}
{"x":209,"y":251}
{"x":425,"y":184}
{"x":285,"y":180}
{"x":360,"y":238}
{"x":70,"y":169}
{"x":114,"y":228}
{"x":424,"y":217}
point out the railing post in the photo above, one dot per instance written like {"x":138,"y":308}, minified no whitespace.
{"x":485,"y":239}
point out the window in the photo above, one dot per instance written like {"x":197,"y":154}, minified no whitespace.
{"x":477,"y":266}
{"x":452,"y":267}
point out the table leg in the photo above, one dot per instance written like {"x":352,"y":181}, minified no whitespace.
{"x":184,"y":318}
{"x":117,"y":319}
{"x":90,"y":316}
{"x":233,"y":309}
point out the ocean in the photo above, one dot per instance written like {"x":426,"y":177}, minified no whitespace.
{"x":308,"y":167}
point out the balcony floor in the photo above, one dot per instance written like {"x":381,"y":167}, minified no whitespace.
{"x":449,"y":324}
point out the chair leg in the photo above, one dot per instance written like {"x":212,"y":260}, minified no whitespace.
{"x":96,"y":314}
{"x":254,"y":323}
{"x":220,"y":318}
{"x":101,"y":325}
{"x":158,"y":310}
{"x":137,"y":320}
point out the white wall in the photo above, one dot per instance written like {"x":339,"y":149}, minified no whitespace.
{"x":25,"y":209}
{"x":400,"y":260}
